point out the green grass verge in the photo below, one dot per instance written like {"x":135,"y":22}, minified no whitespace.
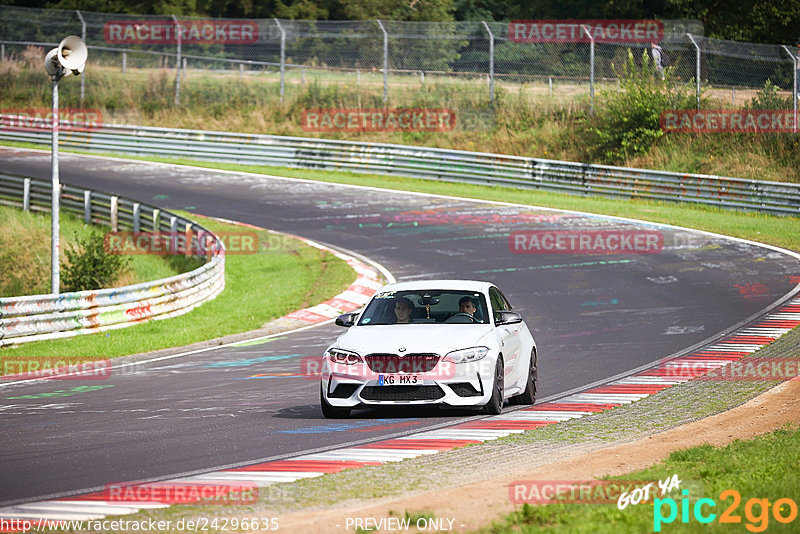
{"x":282,"y":277}
{"x":762,"y":468}
{"x":25,"y":253}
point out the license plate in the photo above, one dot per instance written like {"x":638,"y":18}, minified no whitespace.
{"x":398,"y":380}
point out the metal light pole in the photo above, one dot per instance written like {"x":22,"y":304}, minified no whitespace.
{"x":68,"y":58}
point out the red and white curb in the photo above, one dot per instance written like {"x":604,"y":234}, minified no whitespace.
{"x":353,"y":298}
{"x":731,"y":348}
{"x":356,"y":296}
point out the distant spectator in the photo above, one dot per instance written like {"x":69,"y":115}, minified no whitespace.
{"x":658,"y":58}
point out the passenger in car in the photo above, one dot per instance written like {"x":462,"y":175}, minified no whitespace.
{"x":403,"y":309}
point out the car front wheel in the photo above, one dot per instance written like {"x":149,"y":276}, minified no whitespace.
{"x":331,"y":412}
{"x":529,"y":395}
{"x":495,"y":404}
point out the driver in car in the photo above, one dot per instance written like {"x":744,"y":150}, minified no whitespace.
{"x":467,"y":305}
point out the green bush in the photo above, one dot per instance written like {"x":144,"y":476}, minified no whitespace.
{"x":626,"y":122}
{"x":768,"y":98}
{"x":89,"y":266}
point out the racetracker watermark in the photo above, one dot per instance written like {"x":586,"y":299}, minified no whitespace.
{"x":586,"y":242}
{"x":378,"y":120}
{"x":179,"y":243}
{"x":753,"y":369}
{"x":212,"y":31}
{"x":30,"y":368}
{"x":41,"y":119}
{"x":728,"y":121}
{"x":387,"y":369}
{"x":579,"y":491}
{"x":204,"y":493}
{"x":574,"y":31}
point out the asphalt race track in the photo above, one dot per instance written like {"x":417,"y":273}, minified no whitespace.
{"x":593,"y":316}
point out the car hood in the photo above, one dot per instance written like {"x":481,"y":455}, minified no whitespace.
{"x":415,"y":338}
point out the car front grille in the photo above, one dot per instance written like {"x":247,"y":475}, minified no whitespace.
{"x":407,"y":364}
{"x":401,"y":393}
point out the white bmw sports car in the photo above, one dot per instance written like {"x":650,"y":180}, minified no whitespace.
{"x":449,"y":342}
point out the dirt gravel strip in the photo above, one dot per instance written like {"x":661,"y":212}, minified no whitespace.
{"x":476,"y":505}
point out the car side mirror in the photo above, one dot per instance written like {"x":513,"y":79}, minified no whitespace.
{"x":346,"y":319}
{"x":507,"y":317}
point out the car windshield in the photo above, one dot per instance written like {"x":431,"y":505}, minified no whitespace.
{"x":425,"y":306}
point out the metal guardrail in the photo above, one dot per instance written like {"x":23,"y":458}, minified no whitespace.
{"x":418,"y":162}
{"x":40,"y":317}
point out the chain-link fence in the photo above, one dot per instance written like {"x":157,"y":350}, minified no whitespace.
{"x":459,"y":65}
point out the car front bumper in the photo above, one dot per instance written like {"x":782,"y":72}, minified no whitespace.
{"x":468,"y":384}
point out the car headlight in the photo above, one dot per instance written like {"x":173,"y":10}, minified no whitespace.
{"x":467,"y":355}
{"x":346,"y":357}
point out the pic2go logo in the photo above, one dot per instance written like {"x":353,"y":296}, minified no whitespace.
{"x":756,"y":511}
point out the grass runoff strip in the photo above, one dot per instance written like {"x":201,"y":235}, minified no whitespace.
{"x":25,"y":253}
{"x":315,"y":275}
{"x":746,"y":486}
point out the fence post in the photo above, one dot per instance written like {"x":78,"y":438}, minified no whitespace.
{"x":114,"y":213}
{"x":795,"y":73}
{"x":2,"y":53}
{"x":156,"y":220}
{"x":178,"y":38}
{"x":591,"y":66}
{"x":491,"y":61}
{"x":697,"y":67}
{"x":83,"y":36}
{"x":26,"y":194}
{"x":136,"y":214}
{"x":87,"y":207}
{"x":283,"y":55}
{"x":124,"y":62}
{"x":55,"y":199}
{"x":385,"y":62}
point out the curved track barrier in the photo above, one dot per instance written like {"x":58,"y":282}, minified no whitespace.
{"x":39,"y":317}
{"x":417,"y":162}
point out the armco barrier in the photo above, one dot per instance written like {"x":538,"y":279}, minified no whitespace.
{"x":421,"y":162}
{"x":39,"y":317}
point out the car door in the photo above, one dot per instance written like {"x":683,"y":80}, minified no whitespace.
{"x":509,"y":333}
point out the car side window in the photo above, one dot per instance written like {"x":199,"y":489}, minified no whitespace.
{"x":507,"y":304}
{"x":498,"y":302}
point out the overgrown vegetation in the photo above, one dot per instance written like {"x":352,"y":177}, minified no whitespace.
{"x":627,"y":122}
{"x":89,"y":265}
{"x":524,"y":119}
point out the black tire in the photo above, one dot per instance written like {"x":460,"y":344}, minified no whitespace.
{"x":529,"y":395}
{"x":332,"y":412}
{"x":495,"y":404}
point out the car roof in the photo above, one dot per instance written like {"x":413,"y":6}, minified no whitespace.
{"x":465,"y":285}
